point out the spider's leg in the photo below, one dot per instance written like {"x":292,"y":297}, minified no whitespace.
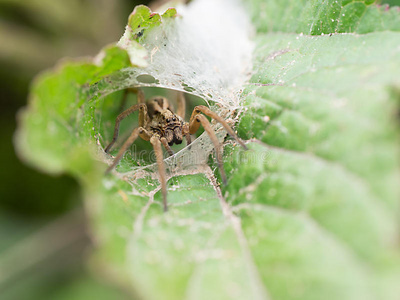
{"x":208,"y":112}
{"x":207,"y":127}
{"x":143,"y":116}
{"x":181,"y":105}
{"x":140,"y":99}
{"x":185,"y":132}
{"x":134,"y":135}
{"x":166,"y":146}
{"x":142,"y":113}
{"x":155,"y":141}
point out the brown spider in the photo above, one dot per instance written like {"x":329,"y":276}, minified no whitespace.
{"x":160,"y":125}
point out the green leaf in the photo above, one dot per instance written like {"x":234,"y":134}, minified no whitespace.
{"x":141,"y":20}
{"x":317,"y":17}
{"x":309,"y":212}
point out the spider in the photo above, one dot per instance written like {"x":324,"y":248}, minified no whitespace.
{"x":161,"y":126}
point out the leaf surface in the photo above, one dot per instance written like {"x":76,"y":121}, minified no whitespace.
{"x":309,"y":211}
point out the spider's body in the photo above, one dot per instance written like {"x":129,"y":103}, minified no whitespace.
{"x":160,"y":125}
{"x":163,"y":121}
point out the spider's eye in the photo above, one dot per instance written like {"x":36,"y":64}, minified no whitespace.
{"x":173,"y":119}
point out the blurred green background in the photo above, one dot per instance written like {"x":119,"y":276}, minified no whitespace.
{"x":36,"y":208}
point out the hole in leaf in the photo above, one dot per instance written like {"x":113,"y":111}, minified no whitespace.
{"x":189,"y":89}
{"x":140,"y":153}
{"x":146,"y":78}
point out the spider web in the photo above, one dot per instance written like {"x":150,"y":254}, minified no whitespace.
{"x":190,"y":55}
